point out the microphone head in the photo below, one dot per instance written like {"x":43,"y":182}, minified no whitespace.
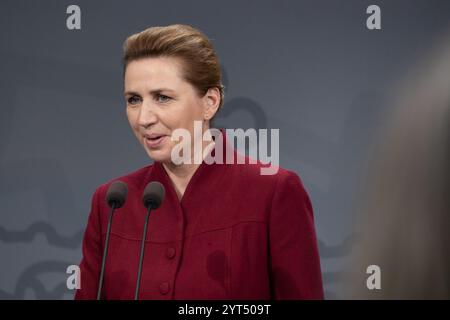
{"x":116,"y":194}
{"x":153,"y":195}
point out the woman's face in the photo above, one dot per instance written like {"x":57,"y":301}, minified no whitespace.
{"x":159,"y":101}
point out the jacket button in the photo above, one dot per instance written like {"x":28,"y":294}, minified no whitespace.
{"x":170,"y":253}
{"x":164,"y":288}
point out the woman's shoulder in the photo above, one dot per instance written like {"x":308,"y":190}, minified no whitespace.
{"x":267,"y":173}
{"x":271,"y":181}
{"x":283,"y":188}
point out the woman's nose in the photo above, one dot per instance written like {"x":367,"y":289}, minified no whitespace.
{"x":147,"y":115}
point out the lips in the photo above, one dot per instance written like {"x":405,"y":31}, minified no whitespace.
{"x":154,"y":139}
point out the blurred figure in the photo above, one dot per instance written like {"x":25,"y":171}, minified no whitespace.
{"x":405,"y":204}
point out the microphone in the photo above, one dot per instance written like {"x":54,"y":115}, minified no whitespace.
{"x":115,"y":197}
{"x":152,"y":198}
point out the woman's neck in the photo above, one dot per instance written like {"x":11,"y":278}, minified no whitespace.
{"x":181,"y":174}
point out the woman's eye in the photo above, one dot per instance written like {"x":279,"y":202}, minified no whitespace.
{"x":162,"y":98}
{"x":133,"y":100}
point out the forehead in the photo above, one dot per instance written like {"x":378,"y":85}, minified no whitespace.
{"x":150,"y":73}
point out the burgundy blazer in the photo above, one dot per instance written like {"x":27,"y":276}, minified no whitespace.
{"x":235,"y":234}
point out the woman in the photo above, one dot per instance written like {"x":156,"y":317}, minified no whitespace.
{"x":223,"y":231}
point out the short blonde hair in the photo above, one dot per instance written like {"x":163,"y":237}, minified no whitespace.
{"x":201,"y":67}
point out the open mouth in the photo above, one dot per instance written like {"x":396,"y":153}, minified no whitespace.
{"x":154,"y":141}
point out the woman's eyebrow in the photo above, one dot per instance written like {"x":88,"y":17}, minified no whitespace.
{"x":153,"y":92}
{"x":156,"y":91}
{"x":131,"y":93}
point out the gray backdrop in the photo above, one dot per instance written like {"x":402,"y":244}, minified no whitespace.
{"x":310,"y":68}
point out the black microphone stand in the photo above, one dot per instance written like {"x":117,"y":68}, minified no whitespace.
{"x":105,"y":251}
{"x":141,"y":258}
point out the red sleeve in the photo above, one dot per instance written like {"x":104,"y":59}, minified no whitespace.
{"x":294,"y":257}
{"x":92,"y":254}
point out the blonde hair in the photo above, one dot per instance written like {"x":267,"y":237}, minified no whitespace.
{"x":200,"y":63}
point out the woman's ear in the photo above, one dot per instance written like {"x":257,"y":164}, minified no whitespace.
{"x":212,"y":103}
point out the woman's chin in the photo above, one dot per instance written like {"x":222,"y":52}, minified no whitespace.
{"x":159,"y":155}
